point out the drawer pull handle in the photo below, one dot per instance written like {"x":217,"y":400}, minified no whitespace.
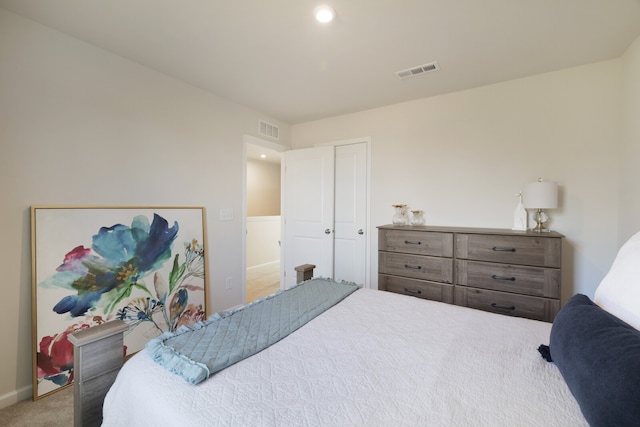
{"x":413,"y":267}
{"x":409,"y":291}
{"x":503,"y":307}
{"x":499,"y":249}
{"x":411,"y":242}
{"x":496,"y":277}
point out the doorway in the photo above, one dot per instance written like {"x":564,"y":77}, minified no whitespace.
{"x":262,"y":218}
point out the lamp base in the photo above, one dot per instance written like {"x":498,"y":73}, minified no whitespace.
{"x":541,"y":218}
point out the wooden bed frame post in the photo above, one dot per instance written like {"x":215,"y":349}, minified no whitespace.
{"x":97,"y":357}
{"x":304,"y":272}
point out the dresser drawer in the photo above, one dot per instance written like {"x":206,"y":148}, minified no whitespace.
{"x":506,"y":303}
{"x":416,"y":267}
{"x":416,"y":242}
{"x":535,"y":281}
{"x":418,"y":288}
{"x":529,"y":250}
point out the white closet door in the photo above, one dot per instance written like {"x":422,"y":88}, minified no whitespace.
{"x":325,"y":212}
{"x":350,"y":212}
{"x":308,"y":211}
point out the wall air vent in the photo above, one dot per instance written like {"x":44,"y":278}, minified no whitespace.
{"x":268,"y":129}
{"x":416,"y":71}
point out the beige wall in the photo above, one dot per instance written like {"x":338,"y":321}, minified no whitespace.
{"x":263,"y":240}
{"x":462,"y":157}
{"x":630,"y":153}
{"x":80,"y":126}
{"x":263,"y":188}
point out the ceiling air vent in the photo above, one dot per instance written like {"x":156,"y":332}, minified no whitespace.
{"x":268,"y":129}
{"x":416,"y":71}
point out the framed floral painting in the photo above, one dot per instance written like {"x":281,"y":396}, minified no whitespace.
{"x":90,"y":265}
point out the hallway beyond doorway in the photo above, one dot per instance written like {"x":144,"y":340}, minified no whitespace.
{"x":262,"y":280}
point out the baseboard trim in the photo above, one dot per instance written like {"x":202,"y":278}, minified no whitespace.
{"x":15,"y":396}
{"x":266,"y":264}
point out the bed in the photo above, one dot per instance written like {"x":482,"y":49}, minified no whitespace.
{"x":377,"y":359}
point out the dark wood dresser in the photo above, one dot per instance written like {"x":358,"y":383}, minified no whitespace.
{"x":509,"y":272}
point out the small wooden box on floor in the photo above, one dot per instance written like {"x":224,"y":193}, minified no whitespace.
{"x":503,"y":271}
{"x":97,"y":357}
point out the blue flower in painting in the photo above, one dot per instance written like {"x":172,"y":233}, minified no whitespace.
{"x":119,"y":257}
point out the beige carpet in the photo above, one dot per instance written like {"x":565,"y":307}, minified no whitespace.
{"x":55,"y":410}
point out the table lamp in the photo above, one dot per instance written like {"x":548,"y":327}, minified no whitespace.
{"x":539,"y":196}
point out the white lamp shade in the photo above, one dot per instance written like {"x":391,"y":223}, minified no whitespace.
{"x":541,"y":195}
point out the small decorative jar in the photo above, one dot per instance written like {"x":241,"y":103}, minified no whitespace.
{"x":417,"y":217}
{"x":400,"y":217}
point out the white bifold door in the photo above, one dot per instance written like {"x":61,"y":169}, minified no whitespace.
{"x":325,"y":212}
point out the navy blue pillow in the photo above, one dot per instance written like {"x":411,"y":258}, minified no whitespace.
{"x":599,"y":357}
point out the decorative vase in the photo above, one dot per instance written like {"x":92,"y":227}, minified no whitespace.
{"x":400,"y":217}
{"x":417,"y":217}
{"x":519,"y":215}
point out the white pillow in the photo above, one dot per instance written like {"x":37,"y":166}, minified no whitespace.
{"x":619,"y":291}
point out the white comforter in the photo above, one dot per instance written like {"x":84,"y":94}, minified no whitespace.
{"x":375,"y":359}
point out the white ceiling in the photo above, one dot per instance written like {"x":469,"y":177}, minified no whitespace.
{"x":272,"y":56}
{"x":256,"y":152}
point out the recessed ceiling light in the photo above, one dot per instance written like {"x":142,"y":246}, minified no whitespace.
{"x":263,"y":156}
{"x":324,"y":13}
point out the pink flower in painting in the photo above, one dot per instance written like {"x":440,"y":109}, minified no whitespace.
{"x":191,"y":315}
{"x":55,"y":356}
{"x":74,"y":259}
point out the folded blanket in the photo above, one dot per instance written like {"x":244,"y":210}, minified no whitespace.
{"x":198,"y":351}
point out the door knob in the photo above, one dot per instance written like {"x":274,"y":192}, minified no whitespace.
{"x":360,"y":231}
{"x":327,"y":231}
